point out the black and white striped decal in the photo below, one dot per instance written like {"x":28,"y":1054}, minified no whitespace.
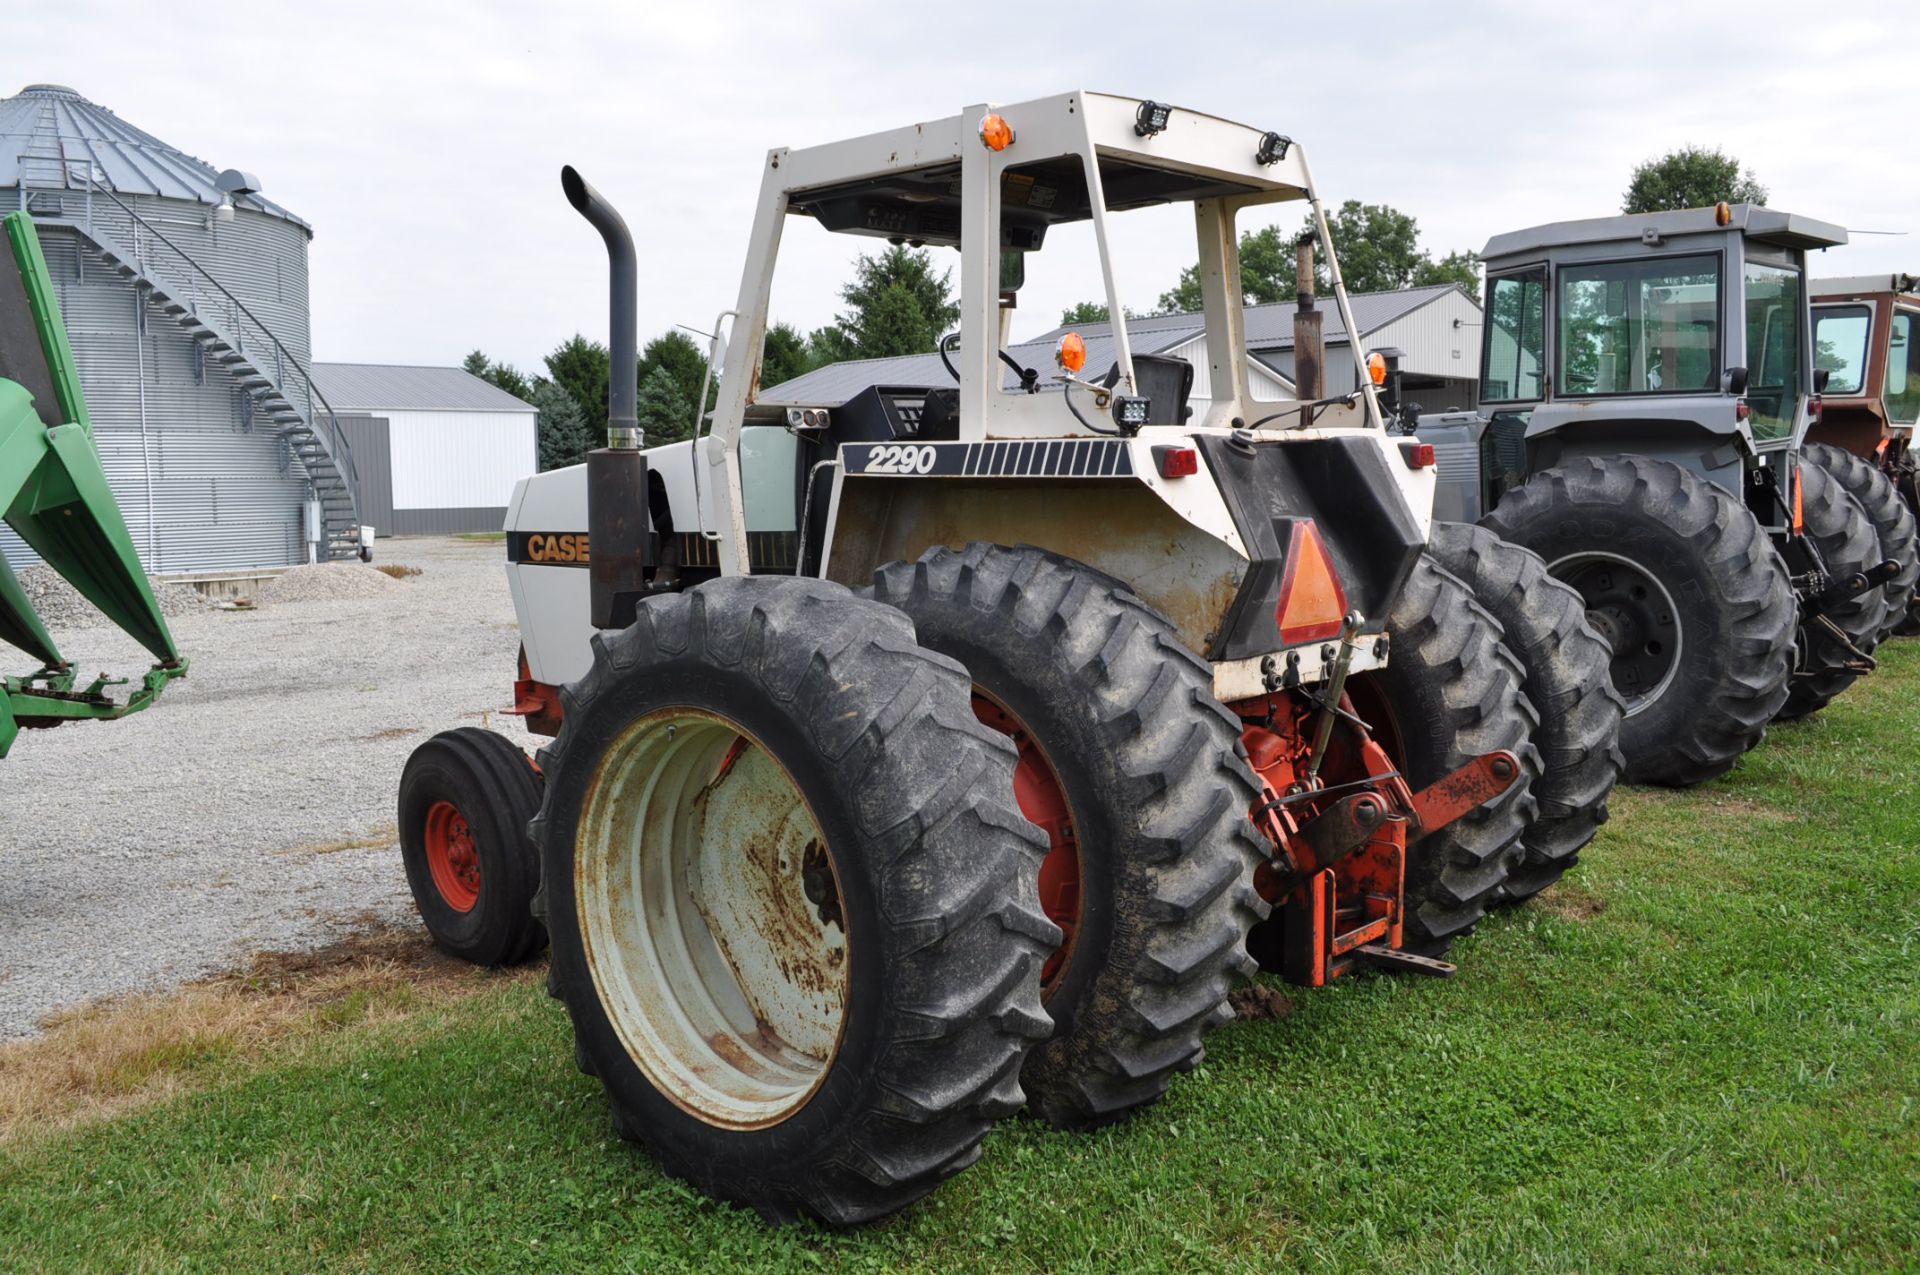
{"x":1036,"y":458}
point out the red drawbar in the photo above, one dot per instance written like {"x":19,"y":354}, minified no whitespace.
{"x":1312,"y":602}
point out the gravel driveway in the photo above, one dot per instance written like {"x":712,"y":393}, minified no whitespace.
{"x":252,"y":808}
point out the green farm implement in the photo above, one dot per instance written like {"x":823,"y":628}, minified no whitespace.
{"x":54,"y":495}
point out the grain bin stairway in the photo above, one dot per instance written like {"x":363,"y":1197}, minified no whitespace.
{"x":273,"y":378}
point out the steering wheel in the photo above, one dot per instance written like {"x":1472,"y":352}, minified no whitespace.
{"x":1029,"y":379}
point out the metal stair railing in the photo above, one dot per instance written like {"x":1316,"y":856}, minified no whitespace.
{"x":286,"y":380}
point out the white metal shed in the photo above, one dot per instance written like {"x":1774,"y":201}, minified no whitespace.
{"x":437,"y":449}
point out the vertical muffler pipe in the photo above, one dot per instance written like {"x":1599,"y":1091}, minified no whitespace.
{"x":1309,"y":344}
{"x":619,"y":539}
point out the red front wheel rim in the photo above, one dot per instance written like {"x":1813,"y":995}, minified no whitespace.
{"x":1036,"y":787}
{"x":452,"y":857}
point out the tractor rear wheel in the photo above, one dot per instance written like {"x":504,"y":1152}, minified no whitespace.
{"x":1899,"y":535}
{"x":793,"y":906}
{"x":1848,"y":543}
{"x":1449,"y":693}
{"x":1684,"y":585}
{"x":465,"y":798}
{"x":1134,"y":769}
{"x":1565,"y":679}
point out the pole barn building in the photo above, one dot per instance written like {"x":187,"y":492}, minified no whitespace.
{"x":437,"y":450}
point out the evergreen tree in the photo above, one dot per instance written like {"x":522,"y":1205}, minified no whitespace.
{"x":579,"y":366}
{"x":665,"y":413}
{"x":565,"y":438}
{"x":784,"y":356}
{"x":895,"y":305}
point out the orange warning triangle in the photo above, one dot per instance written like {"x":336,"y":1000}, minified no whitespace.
{"x":1312,"y":603}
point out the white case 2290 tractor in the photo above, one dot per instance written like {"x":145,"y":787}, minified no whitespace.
{"x":956,"y":747}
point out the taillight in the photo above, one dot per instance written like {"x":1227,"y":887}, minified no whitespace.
{"x":1176,"y":462}
{"x":1417,"y":455}
{"x":1799,"y":505}
{"x":1312,"y":602}
{"x":1741,"y":411}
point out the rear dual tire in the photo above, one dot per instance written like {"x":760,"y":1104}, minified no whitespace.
{"x":1682,"y":581}
{"x":829,"y":1021}
{"x":1847,"y":541}
{"x":1124,"y":721}
{"x":1564,"y":677}
{"x":1893,"y":521}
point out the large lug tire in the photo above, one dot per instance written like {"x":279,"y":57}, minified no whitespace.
{"x":1109,"y":707}
{"x":793,"y":906}
{"x":1892,"y":520}
{"x":1847,"y":542}
{"x":465,"y":798}
{"x":1564,"y":662}
{"x":1451,"y":692}
{"x":1685,"y":586}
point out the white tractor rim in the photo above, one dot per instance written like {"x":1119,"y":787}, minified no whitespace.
{"x":1650,"y":600}
{"x":710,"y":914}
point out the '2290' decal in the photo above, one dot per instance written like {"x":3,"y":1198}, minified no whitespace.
{"x":901,"y":458}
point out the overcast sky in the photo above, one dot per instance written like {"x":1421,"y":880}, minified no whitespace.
{"x":423,"y":141}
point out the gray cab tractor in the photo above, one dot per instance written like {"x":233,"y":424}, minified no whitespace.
{"x":951,"y":748}
{"x":1648,"y":381}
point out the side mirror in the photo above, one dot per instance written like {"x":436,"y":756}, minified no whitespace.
{"x":1735,"y":380}
{"x":1820,"y":377}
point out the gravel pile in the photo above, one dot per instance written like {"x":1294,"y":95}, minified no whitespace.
{"x":62,"y":607}
{"x":327,"y":582}
{"x":252,"y":808}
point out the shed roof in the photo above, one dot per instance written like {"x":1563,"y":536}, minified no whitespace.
{"x":376,"y":387}
{"x":49,"y":134}
{"x":1268,"y":327}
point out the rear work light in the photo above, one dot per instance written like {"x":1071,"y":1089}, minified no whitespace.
{"x":1417,"y":455}
{"x":1312,"y":605}
{"x":1176,"y":462}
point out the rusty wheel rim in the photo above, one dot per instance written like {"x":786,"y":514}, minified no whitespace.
{"x":711,"y":915}
{"x":452,"y":858}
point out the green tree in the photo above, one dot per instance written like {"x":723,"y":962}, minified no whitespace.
{"x":1379,"y":249}
{"x":1085,"y":312}
{"x":784,"y":356}
{"x":896,"y":304}
{"x":501,"y":375}
{"x":579,"y":366}
{"x":665,"y":413}
{"x":682,"y":359}
{"x":1691,"y":177}
{"x":564,"y":435}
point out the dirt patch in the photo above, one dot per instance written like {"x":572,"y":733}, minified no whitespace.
{"x":1257,"y":1002}
{"x":375,"y":840}
{"x":1571,"y":902}
{"x":123,"y":1054}
{"x":398,"y":571}
{"x":381,"y":736}
{"x":1745,"y":809}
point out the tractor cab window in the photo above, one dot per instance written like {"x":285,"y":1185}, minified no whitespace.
{"x":1903,"y":368}
{"x":1640,"y":327}
{"x":1515,"y":352}
{"x":1840,"y":345}
{"x":1774,"y":377}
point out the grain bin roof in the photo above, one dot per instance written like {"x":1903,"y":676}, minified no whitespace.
{"x":49,"y":134}
{"x":382,"y":387}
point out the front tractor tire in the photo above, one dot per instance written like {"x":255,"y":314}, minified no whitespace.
{"x":1133,"y":768}
{"x":1681,"y":580}
{"x":465,"y":798}
{"x":793,"y":906}
{"x":1847,"y":542}
{"x":1451,"y":692}
{"x":1564,"y":664}
{"x":1892,"y":520}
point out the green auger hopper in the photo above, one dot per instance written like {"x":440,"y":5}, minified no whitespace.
{"x":54,"y":495}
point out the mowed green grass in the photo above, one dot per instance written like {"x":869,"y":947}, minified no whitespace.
{"x":1701,"y":1051}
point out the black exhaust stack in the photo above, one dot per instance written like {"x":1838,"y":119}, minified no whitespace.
{"x":619,"y":540}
